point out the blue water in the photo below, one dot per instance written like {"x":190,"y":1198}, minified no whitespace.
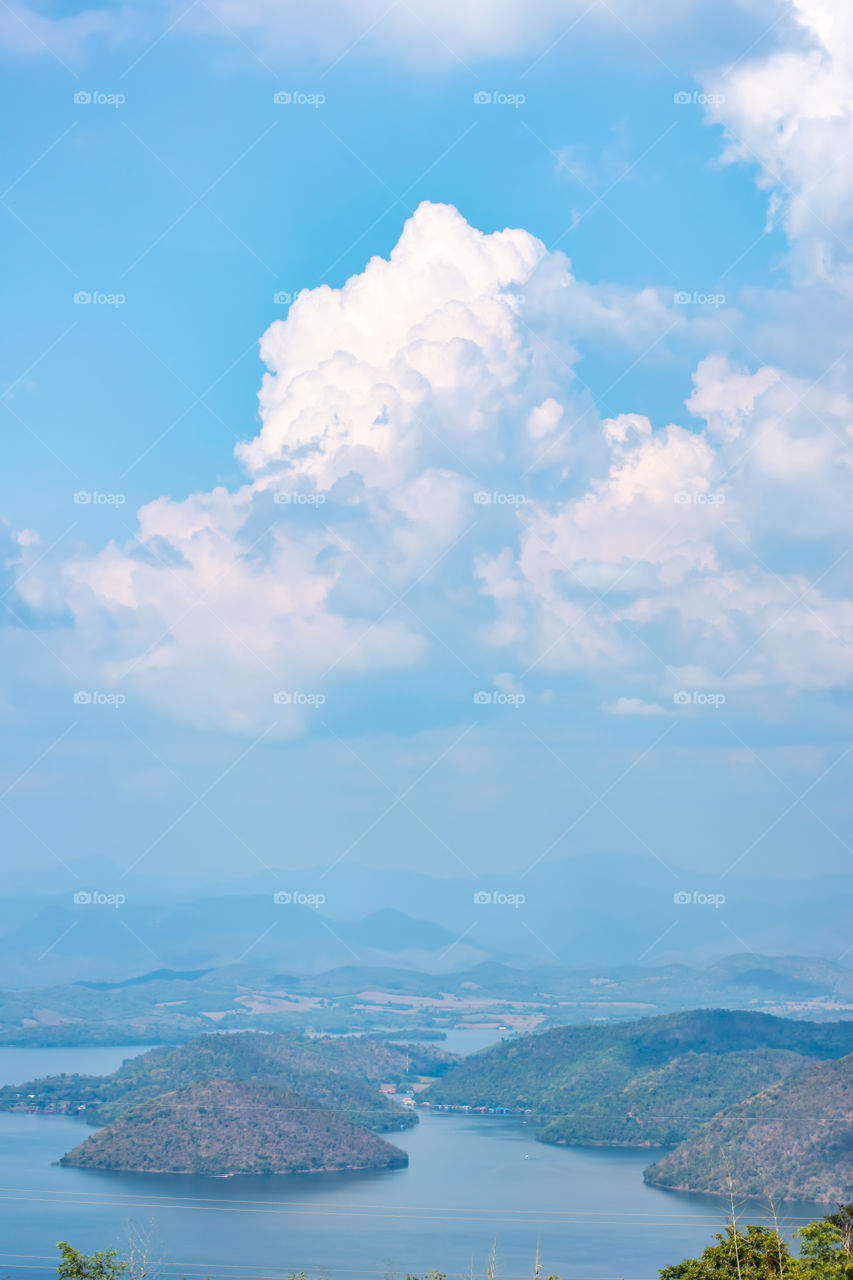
{"x":472,"y":1181}
{"x":18,"y":1065}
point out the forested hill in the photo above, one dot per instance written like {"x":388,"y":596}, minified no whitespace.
{"x":341,"y":1073}
{"x":233,"y":1127}
{"x":241,"y":1103}
{"x":649,"y":1082}
{"x":792,"y":1141}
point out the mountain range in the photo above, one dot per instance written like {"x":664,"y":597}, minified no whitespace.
{"x":607,"y":910}
{"x":171,"y":1006}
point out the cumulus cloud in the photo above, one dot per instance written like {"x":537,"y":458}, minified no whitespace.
{"x":679,"y":554}
{"x":385,"y":405}
{"x":791,"y":114}
{"x":429,"y":484}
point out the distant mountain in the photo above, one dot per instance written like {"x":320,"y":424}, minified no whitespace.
{"x":233,"y":1127}
{"x":96,"y":942}
{"x":592,"y":911}
{"x":644,"y":1083}
{"x":156,"y":975}
{"x":172,"y":1007}
{"x":792,"y":1141}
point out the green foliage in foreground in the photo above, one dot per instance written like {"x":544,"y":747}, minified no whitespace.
{"x":825,"y":1252}
{"x":759,"y":1253}
{"x":91,"y":1266}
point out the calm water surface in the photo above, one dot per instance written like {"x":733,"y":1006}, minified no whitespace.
{"x":471,"y":1181}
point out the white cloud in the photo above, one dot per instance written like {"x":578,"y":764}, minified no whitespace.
{"x":362,"y":376}
{"x":634,"y":707}
{"x":680,"y":552}
{"x":791,"y":113}
{"x":601,"y":548}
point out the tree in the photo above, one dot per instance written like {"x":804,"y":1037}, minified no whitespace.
{"x":88,"y":1266}
{"x":755,"y":1253}
{"x":822,"y":1252}
{"x":843,"y":1223}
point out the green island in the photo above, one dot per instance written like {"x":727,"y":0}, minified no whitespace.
{"x":244,"y":1103}
{"x":234,"y":1127}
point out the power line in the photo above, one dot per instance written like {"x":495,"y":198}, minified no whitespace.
{"x":187,"y":1201}
{"x":496,"y":1218}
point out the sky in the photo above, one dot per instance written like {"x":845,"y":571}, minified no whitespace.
{"x":427,"y":436}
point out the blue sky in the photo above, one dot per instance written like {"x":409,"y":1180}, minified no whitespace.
{"x":639,"y":562}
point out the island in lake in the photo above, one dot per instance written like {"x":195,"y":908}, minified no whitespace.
{"x":232,"y":1127}
{"x":245,"y":1103}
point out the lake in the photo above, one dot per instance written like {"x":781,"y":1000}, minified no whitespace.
{"x":471,"y":1181}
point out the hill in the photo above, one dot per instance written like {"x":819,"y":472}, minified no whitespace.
{"x":662,"y":1106}
{"x":644,"y":1083}
{"x":233,"y":1127}
{"x":170,"y":1007}
{"x":329,"y":1071}
{"x":792,"y":1141}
